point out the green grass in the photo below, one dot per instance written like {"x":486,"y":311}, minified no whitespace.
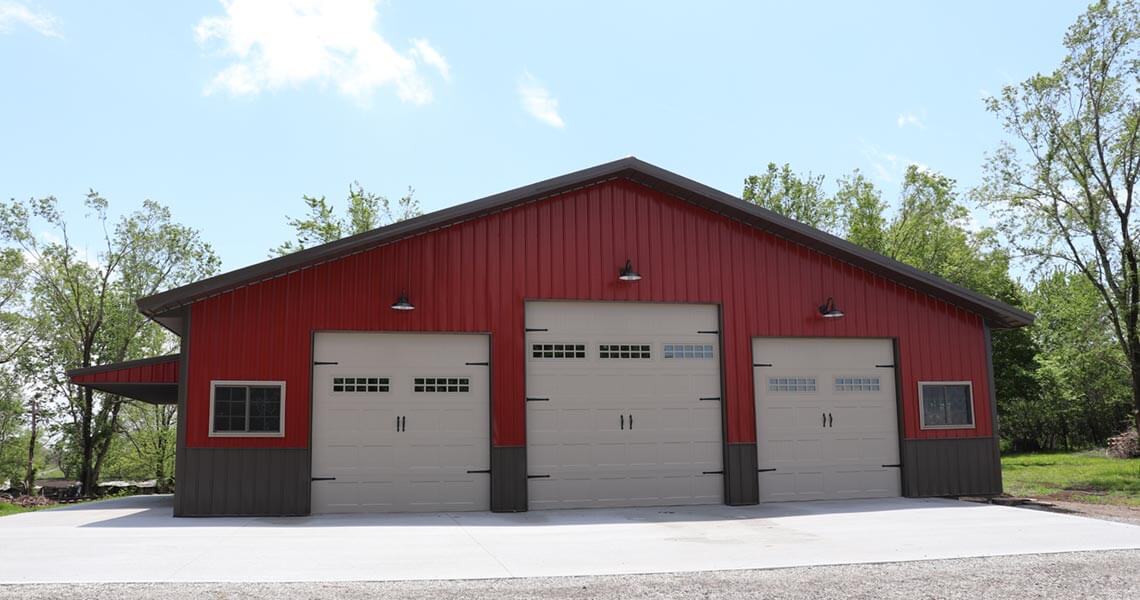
{"x":1089,"y":477}
{"x":7,"y":508}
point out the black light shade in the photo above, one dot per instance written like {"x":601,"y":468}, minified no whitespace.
{"x":627,"y":273}
{"x":828,"y":310}
{"x":402,"y":303}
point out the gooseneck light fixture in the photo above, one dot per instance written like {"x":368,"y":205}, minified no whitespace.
{"x":627,"y":273}
{"x":828,"y":310}
{"x":402,"y":303}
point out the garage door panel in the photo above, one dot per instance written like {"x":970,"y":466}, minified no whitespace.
{"x":443,"y":434}
{"x":674,"y":436}
{"x":845,"y":418}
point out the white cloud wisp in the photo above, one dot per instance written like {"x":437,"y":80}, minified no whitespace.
{"x":14,"y":14}
{"x":538,"y":102}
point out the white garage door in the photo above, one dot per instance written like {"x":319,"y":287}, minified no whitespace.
{"x":399,"y":421}
{"x":623,"y":404}
{"x":826,"y":420}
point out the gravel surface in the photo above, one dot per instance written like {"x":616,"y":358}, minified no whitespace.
{"x":1074,"y":575}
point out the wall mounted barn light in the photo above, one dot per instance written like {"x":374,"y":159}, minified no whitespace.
{"x":828,"y":310}
{"x":402,"y":303}
{"x":627,"y":273}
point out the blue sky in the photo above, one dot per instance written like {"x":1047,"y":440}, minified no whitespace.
{"x":229,"y":112}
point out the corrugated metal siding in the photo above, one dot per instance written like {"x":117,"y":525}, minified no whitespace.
{"x":951,"y":467}
{"x":474,"y":276}
{"x":243,"y":481}
{"x":157,"y":372}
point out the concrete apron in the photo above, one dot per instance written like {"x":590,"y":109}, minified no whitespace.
{"x":136,"y":540}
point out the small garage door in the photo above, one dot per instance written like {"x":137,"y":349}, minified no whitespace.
{"x":826,"y":418}
{"x":399,"y":421}
{"x":623,"y":404}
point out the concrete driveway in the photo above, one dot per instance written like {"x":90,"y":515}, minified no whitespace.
{"x":136,"y":540}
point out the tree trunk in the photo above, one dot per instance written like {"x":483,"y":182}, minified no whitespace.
{"x":31,"y":472}
{"x":86,"y":472}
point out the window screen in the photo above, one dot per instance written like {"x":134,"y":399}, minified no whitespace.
{"x":623,"y":351}
{"x":360,"y":384}
{"x":856,"y":384}
{"x":791,"y":384}
{"x":247,"y":408}
{"x":558,"y":350}
{"x":442,"y":384}
{"x":688,"y":351}
{"x":947,"y":405}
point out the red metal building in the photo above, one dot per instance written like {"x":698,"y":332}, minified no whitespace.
{"x":495,"y":355}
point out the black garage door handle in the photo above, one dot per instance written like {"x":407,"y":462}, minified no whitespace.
{"x":323,"y":479}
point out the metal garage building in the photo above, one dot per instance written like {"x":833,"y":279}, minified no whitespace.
{"x":618,"y":336}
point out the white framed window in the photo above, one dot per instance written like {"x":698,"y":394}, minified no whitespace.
{"x":247,"y":409}
{"x":558,"y":350}
{"x":857,"y":384}
{"x":701,"y":351}
{"x":791,"y":384}
{"x":946,"y":404}
{"x":360,"y":384}
{"x":624,"y":351}
{"x":441,"y":385}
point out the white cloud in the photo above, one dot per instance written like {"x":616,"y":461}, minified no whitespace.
{"x":538,"y":102}
{"x":888,"y":166}
{"x":911,"y":119}
{"x":424,"y":51}
{"x":40,"y":21}
{"x":279,"y":44}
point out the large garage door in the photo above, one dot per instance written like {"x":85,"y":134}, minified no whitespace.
{"x":826,"y":420}
{"x":623,"y":404}
{"x":399,"y":422}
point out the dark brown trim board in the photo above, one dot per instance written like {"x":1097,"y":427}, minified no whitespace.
{"x":741,"y":481}
{"x":508,"y":479}
{"x":222,"y":482}
{"x":951,"y":467}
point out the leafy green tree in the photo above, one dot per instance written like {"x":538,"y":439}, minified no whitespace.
{"x":800,"y":197}
{"x":1062,"y":186}
{"x":862,"y":209}
{"x":82,"y":306}
{"x":364,"y":211}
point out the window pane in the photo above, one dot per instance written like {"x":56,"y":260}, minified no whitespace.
{"x":947,"y":405}
{"x":265,"y":409}
{"x":229,"y":408}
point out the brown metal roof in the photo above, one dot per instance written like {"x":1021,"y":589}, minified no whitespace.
{"x":163,"y":307}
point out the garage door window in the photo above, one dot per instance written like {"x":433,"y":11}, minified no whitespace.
{"x":791,"y":384}
{"x":623,"y":351}
{"x":688,"y":351}
{"x":360,"y":384}
{"x":558,"y":350}
{"x":444,"y":385}
{"x":247,"y":408}
{"x":856,"y":384}
{"x":946,"y":404}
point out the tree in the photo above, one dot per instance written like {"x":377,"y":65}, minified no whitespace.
{"x":1063,"y":185}
{"x":365,"y":211}
{"x":82,"y":306}
{"x":862,"y":209}
{"x":800,"y":197}
{"x":13,"y":333}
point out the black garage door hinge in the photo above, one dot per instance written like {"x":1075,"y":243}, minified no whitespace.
{"x":537,"y":329}
{"x":480,"y":471}
{"x":477,"y":364}
{"x":884,"y":366}
{"x":538,"y":399}
{"x":713,"y":331}
{"x":323,"y":479}
{"x":538,"y":476}
{"x":712,"y":472}
{"x":896,"y":465}
{"x":762,"y":364}
{"x":325,"y":362}
{"x":711,"y":399}
{"x":764,"y":470}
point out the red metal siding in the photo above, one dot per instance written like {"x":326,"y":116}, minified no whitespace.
{"x":157,"y":372}
{"x":474,"y":276}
